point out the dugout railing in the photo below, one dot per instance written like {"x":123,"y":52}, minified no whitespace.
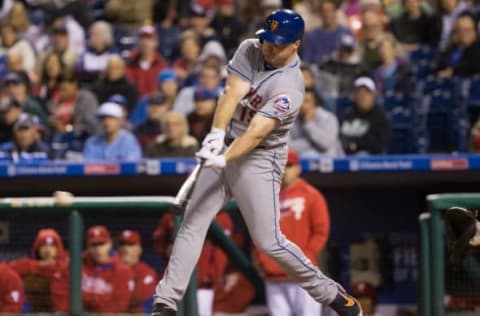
{"x":446,"y":290}
{"x":79,"y":207}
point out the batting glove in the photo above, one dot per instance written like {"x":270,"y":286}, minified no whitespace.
{"x":213,"y":142}
{"x":211,"y":160}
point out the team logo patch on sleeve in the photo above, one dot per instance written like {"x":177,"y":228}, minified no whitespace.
{"x":282,"y":102}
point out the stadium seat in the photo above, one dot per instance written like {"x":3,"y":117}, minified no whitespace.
{"x":398,"y":108}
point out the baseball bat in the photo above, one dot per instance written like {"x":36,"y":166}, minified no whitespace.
{"x":185,"y":192}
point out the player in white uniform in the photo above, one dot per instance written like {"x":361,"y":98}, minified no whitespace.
{"x":244,"y":157}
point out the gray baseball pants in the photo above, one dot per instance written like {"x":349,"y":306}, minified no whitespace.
{"x":254,"y":182}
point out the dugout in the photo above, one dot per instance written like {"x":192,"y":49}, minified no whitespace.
{"x":381,"y":196}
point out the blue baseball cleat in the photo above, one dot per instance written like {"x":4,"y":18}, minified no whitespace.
{"x":345,"y":304}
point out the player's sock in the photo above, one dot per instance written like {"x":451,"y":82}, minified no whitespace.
{"x":345,"y":304}
{"x":162,"y":310}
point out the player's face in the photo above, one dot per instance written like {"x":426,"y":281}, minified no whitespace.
{"x":100,"y":252}
{"x":279,"y":55}
{"x":130,"y":253}
{"x":47,"y":252}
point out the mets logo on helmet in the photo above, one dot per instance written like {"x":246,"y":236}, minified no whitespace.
{"x":282,"y":102}
{"x":273,"y":25}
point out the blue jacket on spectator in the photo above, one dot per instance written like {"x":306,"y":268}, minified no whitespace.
{"x":124,"y":148}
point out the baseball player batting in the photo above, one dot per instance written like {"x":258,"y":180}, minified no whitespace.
{"x":244,"y":157}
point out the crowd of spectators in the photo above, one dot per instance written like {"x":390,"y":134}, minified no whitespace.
{"x":121,"y":80}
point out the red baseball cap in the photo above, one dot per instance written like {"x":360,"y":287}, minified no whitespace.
{"x":293,"y":158}
{"x":147,"y":30}
{"x":131,"y":237}
{"x":97,"y":235}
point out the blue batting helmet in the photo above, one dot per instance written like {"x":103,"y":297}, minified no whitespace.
{"x":282,"y":27}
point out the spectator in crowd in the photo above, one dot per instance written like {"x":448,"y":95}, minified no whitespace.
{"x":48,"y":88}
{"x":146,"y":63}
{"x":443,"y":22}
{"x":411,"y":27}
{"x":367,"y":296}
{"x":175,"y":142}
{"x":17,"y":86}
{"x":113,"y":81}
{"x":10,"y":111}
{"x":209,"y":78}
{"x":305,"y":220}
{"x":14,"y":61}
{"x":107,"y":283}
{"x":11,"y":42}
{"x":340,"y":69}
{"x":315,"y":131}
{"x":167,"y":85}
{"x":187,"y":63}
{"x":129,"y":14}
{"x":95,"y":58}
{"x":475,"y":137}
{"x":461,"y":57}
{"x":393,"y":73}
{"x":11,"y":290}
{"x":151,"y":128}
{"x":144,"y":276}
{"x":365,"y":129}
{"x":229,"y":27}
{"x":19,"y":18}
{"x":60,"y":45}
{"x":42,"y":271}
{"x":211,"y":265}
{"x":170,"y":33}
{"x":320,"y":42}
{"x":309,"y":11}
{"x":213,"y":55}
{"x":373,"y":33}
{"x":75,"y":109}
{"x":76,"y":33}
{"x":199,"y":22}
{"x":115,"y":143}
{"x":201,"y":118}
{"x":26,"y":144}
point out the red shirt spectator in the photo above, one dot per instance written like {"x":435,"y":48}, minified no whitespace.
{"x":11,"y":290}
{"x":48,"y":262}
{"x":107,"y":283}
{"x":146,"y":63}
{"x":144,"y":276}
{"x":304,"y":220}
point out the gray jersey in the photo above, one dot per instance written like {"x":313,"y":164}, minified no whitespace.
{"x":276,"y":93}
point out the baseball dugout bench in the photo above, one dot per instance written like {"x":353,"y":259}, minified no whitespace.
{"x":22,"y":216}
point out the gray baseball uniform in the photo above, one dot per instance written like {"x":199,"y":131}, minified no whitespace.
{"x":253,"y":181}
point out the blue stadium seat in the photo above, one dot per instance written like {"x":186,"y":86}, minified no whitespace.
{"x":398,"y":108}
{"x":423,"y":52}
{"x":471,"y":97}
{"x":446,"y":121}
